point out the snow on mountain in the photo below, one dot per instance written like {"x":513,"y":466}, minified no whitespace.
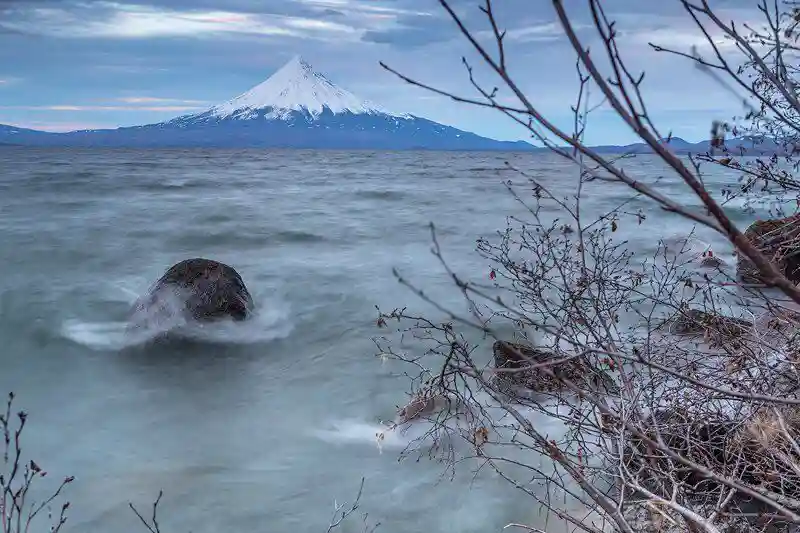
{"x":294,"y":87}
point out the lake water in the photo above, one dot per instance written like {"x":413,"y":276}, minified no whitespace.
{"x":261,"y":426}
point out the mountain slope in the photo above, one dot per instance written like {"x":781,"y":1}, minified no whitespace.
{"x":15,"y":135}
{"x":295,"y":87}
{"x":296,"y":107}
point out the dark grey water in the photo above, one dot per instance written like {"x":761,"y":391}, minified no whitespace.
{"x":259,"y":426}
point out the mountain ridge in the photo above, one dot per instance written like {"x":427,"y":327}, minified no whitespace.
{"x":20,"y":137}
{"x":296,"y":107}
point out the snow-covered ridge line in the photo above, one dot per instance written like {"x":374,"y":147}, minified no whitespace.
{"x":294,"y":87}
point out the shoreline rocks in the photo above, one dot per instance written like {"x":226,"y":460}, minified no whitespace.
{"x":738,"y":448}
{"x":779,"y":241}
{"x":695,"y":322}
{"x":512,"y":356}
{"x":424,"y":404}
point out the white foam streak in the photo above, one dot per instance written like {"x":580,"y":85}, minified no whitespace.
{"x":270,"y":321}
{"x":392,"y":436}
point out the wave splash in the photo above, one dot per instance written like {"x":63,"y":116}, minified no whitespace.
{"x":419,"y":433}
{"x":270,"y":321}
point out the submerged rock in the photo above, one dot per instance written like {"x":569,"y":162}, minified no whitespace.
{"x":512,"y":356}
{"x":711,"y":261}
{"x":424,"y":404}
{"x":195,"y":289}
{"x":778,"y":241}
{"x":688,"y":251}
{"x":695,"y":321}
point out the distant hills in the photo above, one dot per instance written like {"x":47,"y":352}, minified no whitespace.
{"x":735,"y":146}
{"x":298,"y":107}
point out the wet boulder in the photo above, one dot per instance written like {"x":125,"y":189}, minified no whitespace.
{"x":715,"y":329}
{"x":195,"y":289}
{"x":779,"y":241}
{"x":698,"y":322}
{"x":514,"y":358}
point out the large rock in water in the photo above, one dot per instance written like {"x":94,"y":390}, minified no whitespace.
{"x":195,"y":289}
{"x":779,"y":241}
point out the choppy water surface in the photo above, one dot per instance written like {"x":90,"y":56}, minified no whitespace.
{"x":259,"y":426}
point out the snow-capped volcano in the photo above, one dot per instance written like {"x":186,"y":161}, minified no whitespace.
{"x":296,"y":107}
{"x":295,"y":87}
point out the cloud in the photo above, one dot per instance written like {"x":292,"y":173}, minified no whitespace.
{"x":413,"y":30}
{"x":408,"y":38}
{"x":59,"y":126}
{"x":315,"y":24}
{"x":5,"y":82}
{"x":155,"y":100}
{"x":130,"y":68}
{"x":367,"y":7}
{"x":332,"y":13}
{"x":133,"y":21}
{"x":102,"y":108}
{"x":336,"y":21}
{"x":679,"y":31}
{"x":677,"y":38}
{"x":538,"y":32}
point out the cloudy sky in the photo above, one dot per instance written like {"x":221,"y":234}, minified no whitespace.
{"x":73,"y":64}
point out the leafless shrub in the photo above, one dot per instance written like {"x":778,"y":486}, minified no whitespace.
{"x":700,"y":429}
{"x":18,"y":478}
{"x":152,"y":523}
{"x":341,"y":512}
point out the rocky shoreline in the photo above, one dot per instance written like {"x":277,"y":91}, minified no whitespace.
{"x":736,"y":437}
{"x":739,"y":444}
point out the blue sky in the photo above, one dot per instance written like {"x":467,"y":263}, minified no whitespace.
{"x":73,"y":64}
